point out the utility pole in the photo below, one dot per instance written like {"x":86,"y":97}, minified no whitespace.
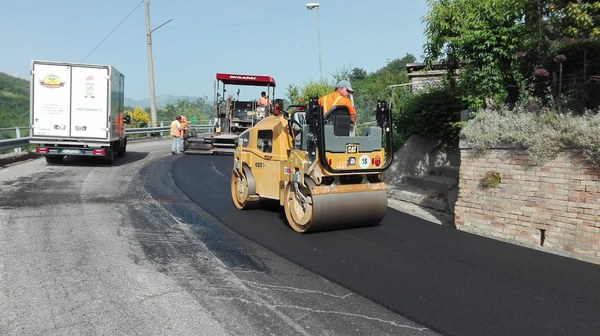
{"x":153,"y":116}
{"x":151,"y":63}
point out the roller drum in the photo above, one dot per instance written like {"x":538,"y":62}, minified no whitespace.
{"x":346,"y":210}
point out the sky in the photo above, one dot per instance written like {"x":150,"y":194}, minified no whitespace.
{"x":200,"y":38}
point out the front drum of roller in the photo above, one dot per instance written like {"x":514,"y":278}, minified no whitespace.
{"x":335,"y":211}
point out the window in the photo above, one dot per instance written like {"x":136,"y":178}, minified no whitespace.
{"x":265,"y":141}
{"x":243,"y":139}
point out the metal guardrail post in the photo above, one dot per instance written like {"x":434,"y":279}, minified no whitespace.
{"x":18,"y":133}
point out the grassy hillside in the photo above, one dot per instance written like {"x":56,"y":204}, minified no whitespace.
{"x":14,"y":101}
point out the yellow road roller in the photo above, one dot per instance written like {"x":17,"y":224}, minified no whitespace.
{"x":324,"y":174}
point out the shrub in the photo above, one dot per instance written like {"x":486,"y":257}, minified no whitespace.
{"x":542,"y":133}
{"x":433,"y":114}
{"x":491,"y":179}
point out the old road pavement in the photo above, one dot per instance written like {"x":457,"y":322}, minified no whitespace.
{"x":153,"y":245}
{"x":92,"y":249}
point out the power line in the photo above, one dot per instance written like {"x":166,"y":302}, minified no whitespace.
{"x":112,"y":31}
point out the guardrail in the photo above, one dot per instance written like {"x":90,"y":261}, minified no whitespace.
{"x":161,"y":129}
{"x":13,"y":143}
{"x":18,"y":142}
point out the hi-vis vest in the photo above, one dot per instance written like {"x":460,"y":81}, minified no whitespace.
{"x":263,"y":101}
{"x":175,"y":128}
{"x":333,"y":99}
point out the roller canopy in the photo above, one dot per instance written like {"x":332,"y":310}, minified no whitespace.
{"x":252,"y":80}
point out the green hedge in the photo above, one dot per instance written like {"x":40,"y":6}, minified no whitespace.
{"x":434,"y":113}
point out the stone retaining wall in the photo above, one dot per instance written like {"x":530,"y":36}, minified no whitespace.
{"x":554,"y":207}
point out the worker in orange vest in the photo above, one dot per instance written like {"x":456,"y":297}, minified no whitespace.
{"x":341,"y":96}
{"x":264,"y":100}
{"x":184,"y":126}
{"x":176,"y":132}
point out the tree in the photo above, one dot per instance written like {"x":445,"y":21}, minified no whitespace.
{"x":509,"y":49}
{"x":139,"y":118}
{"x":293,"y":94}
{"x":484,"y":38}
{"x":14,"y":101}
{"x":375,"y":86}
{"x":369,"y":88}
{"x":578,"y":20}
{"x":575,"y":28}
{"x":358,"y":74}
{"x":197,"y":111}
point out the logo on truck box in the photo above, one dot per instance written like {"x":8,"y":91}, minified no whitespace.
{"x":52,"y":81}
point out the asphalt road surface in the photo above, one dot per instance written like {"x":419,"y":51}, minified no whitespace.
{"x":92,"y":249}
{"x":449,"y":281}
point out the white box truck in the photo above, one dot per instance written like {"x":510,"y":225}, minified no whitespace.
{"x":77,"y":110}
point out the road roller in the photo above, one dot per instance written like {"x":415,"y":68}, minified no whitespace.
{"x":325,"y":174}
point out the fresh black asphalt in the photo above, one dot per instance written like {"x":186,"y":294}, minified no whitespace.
{"x":450,"y":281}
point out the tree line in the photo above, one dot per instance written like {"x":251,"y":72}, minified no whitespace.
{"x":14,"y":101}
{"x":14,"y":107}
{"x":499,"y":55}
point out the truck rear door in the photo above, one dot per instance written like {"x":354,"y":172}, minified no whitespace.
{"x":70,"y":101}
{"x":89,"y":102}
{"x":51,"y":100}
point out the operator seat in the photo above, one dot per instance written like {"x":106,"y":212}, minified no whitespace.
{"x":339,"y":116}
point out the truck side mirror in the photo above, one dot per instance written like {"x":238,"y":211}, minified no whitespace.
{"x":126,"y":119}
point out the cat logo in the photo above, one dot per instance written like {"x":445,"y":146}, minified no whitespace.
{"x":351,"y":148}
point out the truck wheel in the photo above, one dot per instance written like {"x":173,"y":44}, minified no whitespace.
{"x":121,"y":151}
{"x":110,"y":156}
{"x":54,"y":159}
